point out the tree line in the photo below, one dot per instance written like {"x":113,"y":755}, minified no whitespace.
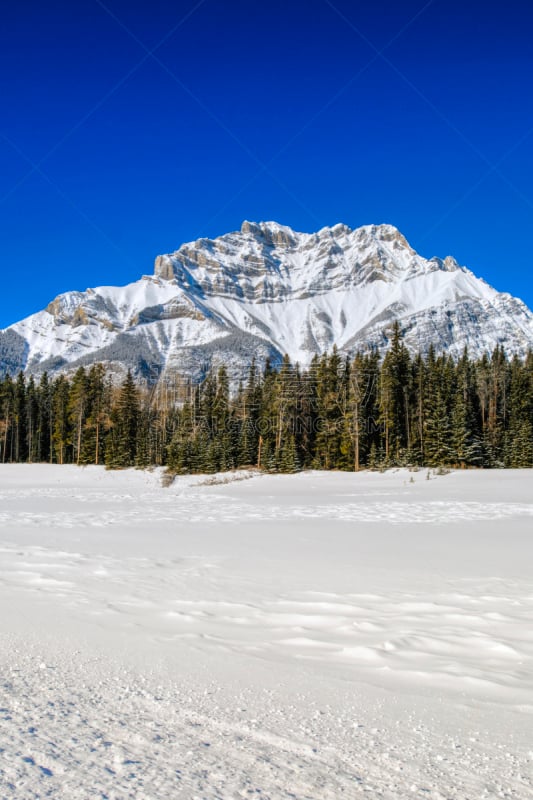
{"x":341,"y":413}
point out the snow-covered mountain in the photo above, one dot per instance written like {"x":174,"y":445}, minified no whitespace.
{"x":264,"y":291}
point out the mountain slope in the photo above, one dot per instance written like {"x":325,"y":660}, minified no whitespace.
{"x":264,"y":291}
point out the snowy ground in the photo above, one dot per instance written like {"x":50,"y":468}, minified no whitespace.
{"x":309,"y":636}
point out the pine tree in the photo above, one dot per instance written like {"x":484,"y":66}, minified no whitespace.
{"x":44,"y":420}
{"x":373,"y":457}
{"x":124,"y":423}
{"x":394,"y":398}
{"x":522,"y":444}
{"x":358,"y":413}
{"x":418,"y":382}
{"x":248,"y":404}
{"x":77,"y":410}
{"x":20,"y":419}
{"x":98,"y":416}
{"x":438,"y":434}
{"x":32,"y":421}
{"x":180,"y":449}
{"x":288,"y":460}
{"x":466,"y":440}
{"x":268,"y":419}
{"x":144,"y":456}
{"x":329,"y":388}
{"x":7,"y":393}
{"x":61,"y":432}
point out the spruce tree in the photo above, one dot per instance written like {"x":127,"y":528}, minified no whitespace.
{"x":44,"y":419}
{"x":180,"y":449}
{"x":288,"y":459}
{"x":438,"y":445}
{"x":77,"y":410}
{"x":32,"y":421}
{"x":61,"y":430}
{"x":466,"y":439}
{"x":7,"y":393}
{"x":394,"y":398}
{"x":124,"y":424}
{"x":98,"y":416}
{"x":329,"y":389}
{"x":20,"y":419}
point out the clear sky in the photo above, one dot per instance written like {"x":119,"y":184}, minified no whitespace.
{"x":129,"y":127}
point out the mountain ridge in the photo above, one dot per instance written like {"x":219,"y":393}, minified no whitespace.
{"x":265,"y":291}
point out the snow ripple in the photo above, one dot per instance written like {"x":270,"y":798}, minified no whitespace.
{"x":474,"y":637}
{"x":221,"y":510}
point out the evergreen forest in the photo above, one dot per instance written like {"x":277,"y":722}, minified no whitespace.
{"x":340,"y":413}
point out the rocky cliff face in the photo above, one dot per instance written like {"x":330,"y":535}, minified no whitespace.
{"x":267,"y":262}
{"x":267,"y":290}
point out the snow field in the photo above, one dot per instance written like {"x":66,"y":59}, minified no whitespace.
{"x":321,"y":635}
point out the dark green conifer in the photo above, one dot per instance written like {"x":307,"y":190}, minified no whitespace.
{"x":122,"y":448}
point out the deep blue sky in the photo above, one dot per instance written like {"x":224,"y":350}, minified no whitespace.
{"x":417,"y":113}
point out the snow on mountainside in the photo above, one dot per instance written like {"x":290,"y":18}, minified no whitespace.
{"x":264,"y":291}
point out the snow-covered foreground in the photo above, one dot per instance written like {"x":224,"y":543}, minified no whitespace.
{"x":308,"y":636}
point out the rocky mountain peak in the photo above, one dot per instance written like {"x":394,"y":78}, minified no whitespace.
{"x":269,"y":261}
{"x":271,"y":233}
